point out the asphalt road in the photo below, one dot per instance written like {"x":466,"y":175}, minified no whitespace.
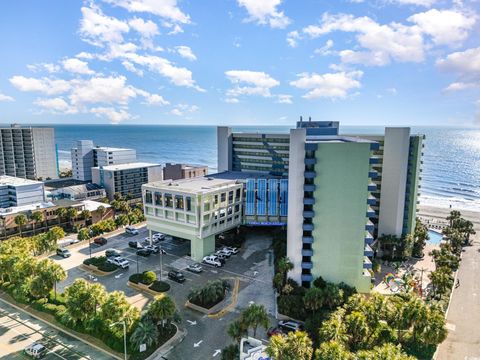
{"x":463,"y":319}
{"x":18,"y":330}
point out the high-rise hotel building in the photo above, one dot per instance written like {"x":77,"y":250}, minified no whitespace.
{"x":28,"y":152}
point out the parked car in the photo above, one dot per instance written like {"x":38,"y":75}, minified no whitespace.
{"x":176,"y":276}
{"x":100,"y":241}
{"x":153,"y":248}
{"x":131,"y":230}
{"x":212,"y":260}
{"x":290,"y":325}
{"x":112,"y":253}
{"x":159,"y":236}
{"x":36,"y":350}
{"x":195,"y":268}
{"x":224,"y":252}
{"x":65,"y":253}
{"x":233,"y":250}
{"x":119,"y":261}
{"x":135,"y":245}
{"x":274,"y":331}
{"x":144,"y":252}
{"x":220,"y":257}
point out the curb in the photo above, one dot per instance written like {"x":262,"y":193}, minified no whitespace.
{"x":233,"y":302}
{"x":169,"y":345}
{"x":58,"y":328}
{"x":94,"y":269}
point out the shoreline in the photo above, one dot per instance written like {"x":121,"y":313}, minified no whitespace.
{"x":439,"y":214}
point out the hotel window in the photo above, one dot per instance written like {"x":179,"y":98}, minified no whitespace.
{"x":148,"y":197}
{"x":237,"y":195}
{"x":168,"y":200}
{"x":179,"y":202}
{"x":189,"y":203}
{"x":149,"y":210}
{"x":223,"y":197}
{"x":158,"y":199}
{"x":215,"y":201}
{"x":206,"y":206}
{"x":230,"y":197}
{"x":237,"y":208}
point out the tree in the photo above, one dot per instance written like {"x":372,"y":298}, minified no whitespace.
{"x":357,"y":328}
{"x":121,"y":220}
{"x":72,"y":214}
{"x":385,"y":352}
{"x":430,"y":329}
{"x":145,"y":332}
{"x":255,"y":316}
{"x":333,"y":350}
{"x":117,"y":308}
{"x":333,"y":295}
{"x":47,"y":274}
{"x":454,"y":215}
{"x":295,"y":346}
{"x":20,"y":221}
{"x":83,"y":234}
{"x":442,"y":280}
{"x":37,"y":216}
{"x":85,"y":214}
{"x":101,"y":211}
{"x":82,"y":299}
{"x":314,"y":299}
{"x":162,"y":309}
{"x":60,"y":212}
{"x":237,"y":330}
{"x":284,"y":265}
{"x":334,"y":328}
{"x":55,"y":234}
{"x":420,"y":236}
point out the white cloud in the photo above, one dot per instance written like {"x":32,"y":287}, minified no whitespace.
{"x":184,"y":109}
{"x":56,"y":105}
{"x":43,"y":85}
{"x":166,"y":9}
{"x":77,"y":66}
{"x":466,"y":64}
{"x":425,"y":3}
{"x":130,"y":67}
{"x":115,"y":116}
{"x":48,"y":67}
{"x":265,"y":12}
{"x":4,"y":97}
{"x":85,"y":55}
{"x":446,"y":27}
{"x":232,"y":100}
{"x":99,"y":29}
{"x":155,"y":99}
{"x":330,"y":85}
{"x":258,"y":83}
{"x":392,"y":91}
{"x":186,"y":52}
{"x":325,"y":49}
{"x":284,"y":99}
{"x":147,"y":29}
{"x":292,"y":38}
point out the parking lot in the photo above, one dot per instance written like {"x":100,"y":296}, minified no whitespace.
{"x":18,"y":330}
{"x":253,"y":265}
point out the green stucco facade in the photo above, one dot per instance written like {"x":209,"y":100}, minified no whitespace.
{"x":340,"y":213}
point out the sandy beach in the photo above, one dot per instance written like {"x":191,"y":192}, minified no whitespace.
{"x":439,"y":214}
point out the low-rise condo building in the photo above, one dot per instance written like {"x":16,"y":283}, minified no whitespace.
{"x":195,"y":209}
{"x":16,"y":191}
{"x":126,"y":179}
{"x":183,"y":171}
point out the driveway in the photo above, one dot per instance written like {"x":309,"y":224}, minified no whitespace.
{"x":18,"y":330}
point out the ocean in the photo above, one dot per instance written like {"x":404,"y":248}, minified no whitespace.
{"x":451,"y":169}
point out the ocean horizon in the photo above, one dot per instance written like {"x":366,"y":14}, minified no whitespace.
{"x":450,"y":175}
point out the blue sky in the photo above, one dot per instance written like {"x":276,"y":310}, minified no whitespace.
{"x":240,"y":62}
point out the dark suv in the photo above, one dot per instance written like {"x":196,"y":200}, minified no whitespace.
{"x":100,"y":241}
{"x":176,"y":276}
{"x":135,"y":245}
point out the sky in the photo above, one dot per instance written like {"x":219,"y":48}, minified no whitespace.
{"x":240,"y":62}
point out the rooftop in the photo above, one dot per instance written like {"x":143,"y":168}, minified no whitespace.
{"x":62,"y":183}
{"x":128,"y":166}
{"x":25,"y":208}
{"x":198,"y":185}
{"x":15,"y":181}
{"x":335,"y":139}
{"x":108,"y":148}
{"x":240,"y":175}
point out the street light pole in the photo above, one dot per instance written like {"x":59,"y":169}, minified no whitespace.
{"x":124,"y":335}
{"x":138,"y":272}
{"x":90,"y":247}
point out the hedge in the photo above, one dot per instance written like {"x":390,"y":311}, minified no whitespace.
{"x":159,"y":286}
{"x":135,"y":278}
{"x":148,"y":277}
{"x":101,"y":263}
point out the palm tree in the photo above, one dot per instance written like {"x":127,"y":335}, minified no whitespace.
{"x":295,"y":346}
{"x":284,"y":265}
{"x":56,"y":273}
{"x":237,"y":330}
{"x":20,"y":221}
{"x":37,"y":216}
{"x":101,"y":211}
{"x":454,"y":215}
{"x":333,"y":350}
{"x":85,"y":214}
{"x":254,"y":316}
{"x":334,"y":328}
{"x":60,"y":212}
{"x":146,"y":333}
{"x":162,"y":309}
{"x":72,"y":213}
{"x":314,"y":299}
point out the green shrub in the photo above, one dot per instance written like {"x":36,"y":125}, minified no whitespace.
{"x":292,"y":306}
{"x":159,"y":286}
{"x":5,"y":285}
{"x":211,"y":294}
{"x":135,"y":278}
{"x":107,"y":267}
{"x":148,"y":277}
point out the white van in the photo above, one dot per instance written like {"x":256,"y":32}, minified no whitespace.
{"x":131,"y":230}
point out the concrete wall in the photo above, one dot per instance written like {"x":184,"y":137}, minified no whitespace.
{"x":30,"y":194}
{"x":414,"y":169}
{"x":295,"y":201}
{"x":155,"y":173}
{"x":340,"y":213}
{"x":82,"y":160}
{"x":224,"y":148}
{"x":45,"y":153}
{"x":394,"y":179}
{"x":107,"y":157}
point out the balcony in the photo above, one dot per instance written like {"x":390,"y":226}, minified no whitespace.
{"x":308,"y":227}
{"x":307,"y":252}
{"x":307,"y":277}
{"x":309,"y":214}
{"x":310,"y":161}
{"x":311,"y":147}
{"x":309,"y":187}
{"x":370,"y":212}
{"x":310,"y":174}
{"x":368,"y":238}
{"x":374,"y":160}
{"x":368,"y":251}
{"x":367,"y":264}
{"x":375,"y":146}
{"x":372,"y":200}
{"x":372,"y":187}
{"x":308,"y":201}
{"x":307,"y":239}
{"x":372,"y":174}
{"x":370,"y":226}
{"x":307,"y":265}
